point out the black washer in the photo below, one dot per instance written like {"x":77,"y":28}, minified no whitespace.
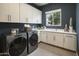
{"x":17,"y":46}
{"x":32,"y":41}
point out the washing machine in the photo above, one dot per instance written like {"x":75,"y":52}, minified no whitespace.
{"x":32,"y":41}
{"x":17,"y":44}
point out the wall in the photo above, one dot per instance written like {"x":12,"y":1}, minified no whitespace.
{"x":6,"y":27}
{"x":77,"y":26}
{"x":68,"y":10}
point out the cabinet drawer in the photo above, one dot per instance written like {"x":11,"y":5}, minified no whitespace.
{"x":67,"y":35}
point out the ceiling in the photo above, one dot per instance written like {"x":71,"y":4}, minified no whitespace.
{"x":40,"y":4}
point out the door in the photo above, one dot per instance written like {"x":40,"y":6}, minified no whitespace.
{"x":70,"y":42}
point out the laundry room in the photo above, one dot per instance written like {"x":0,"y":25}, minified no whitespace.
{"x":39,"y":29}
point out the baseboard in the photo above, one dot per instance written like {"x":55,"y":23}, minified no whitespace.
{"x":57,"y":46}
{"x":39,"y":42}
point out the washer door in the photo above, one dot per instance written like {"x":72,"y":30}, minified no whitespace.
{"x":33,"y":39}
{"x":17,"y":46}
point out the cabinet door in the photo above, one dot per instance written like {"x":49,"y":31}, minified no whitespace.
{"x":30,"y":14}
{"x":70,"y":42}
{"x":39,"y":38}
{"x":14,"y":12}
{"x":4,"y":12}
{"x":36,"y":15}
{"x":59,"y":39}
{"x":43,"y":36}
{"x":51,"y":38}
{"x":39,"y":21}
{"x":24,"y":13}
{"x":39,"y":17}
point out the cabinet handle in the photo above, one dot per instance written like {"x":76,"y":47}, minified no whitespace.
{"x":63,"y":40}
{"x":69,"y":36}
{"x":54,"y":37}
{"x":26,"y":19}
{"x":9,"y":17}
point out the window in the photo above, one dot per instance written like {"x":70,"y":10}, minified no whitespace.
{"x":53,"y":18}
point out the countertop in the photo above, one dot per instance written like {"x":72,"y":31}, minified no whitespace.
{"x":56,"y":31}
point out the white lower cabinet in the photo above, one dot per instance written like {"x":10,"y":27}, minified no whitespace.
{"x":67,"y":41}
{"x":59,"y":39}
{"x":51,"y":38}
{"x":43,"y":36}
{"x":39,"y":39}
{"x":70,"y":42}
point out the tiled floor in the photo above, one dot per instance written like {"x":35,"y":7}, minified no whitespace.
{"x":47,"y":50}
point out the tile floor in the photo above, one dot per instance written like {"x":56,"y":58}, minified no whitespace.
{"x":47,"y":50}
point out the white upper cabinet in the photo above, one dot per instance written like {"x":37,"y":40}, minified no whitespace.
{"x":19,"y":13}
{"x":4,"y":12}
{"x":9,"y":12}
{"x":24,"y":13}
{"x":14,"y":12}
{"x":29,"y":14}
{"x":36,"y":16}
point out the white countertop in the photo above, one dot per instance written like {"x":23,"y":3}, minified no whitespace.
{"x":56,"y":30}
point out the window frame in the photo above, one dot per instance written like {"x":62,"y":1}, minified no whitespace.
{"x":48,"y":13}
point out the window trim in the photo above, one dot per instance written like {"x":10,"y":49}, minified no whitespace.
{"x":53,"y":11}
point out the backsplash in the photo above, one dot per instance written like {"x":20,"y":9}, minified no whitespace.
{"x":5,"y":27}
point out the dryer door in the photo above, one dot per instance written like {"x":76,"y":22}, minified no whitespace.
{"x":17,"y":46}
{"x":33,"y":39}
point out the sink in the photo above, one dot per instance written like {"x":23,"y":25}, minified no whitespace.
{"x":50,"y":30}
{"x":55,"y":30}
{"x":60,"y":30}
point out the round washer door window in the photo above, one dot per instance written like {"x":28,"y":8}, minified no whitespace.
{"x":17,"y":46}
{"x":33,"y":39}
